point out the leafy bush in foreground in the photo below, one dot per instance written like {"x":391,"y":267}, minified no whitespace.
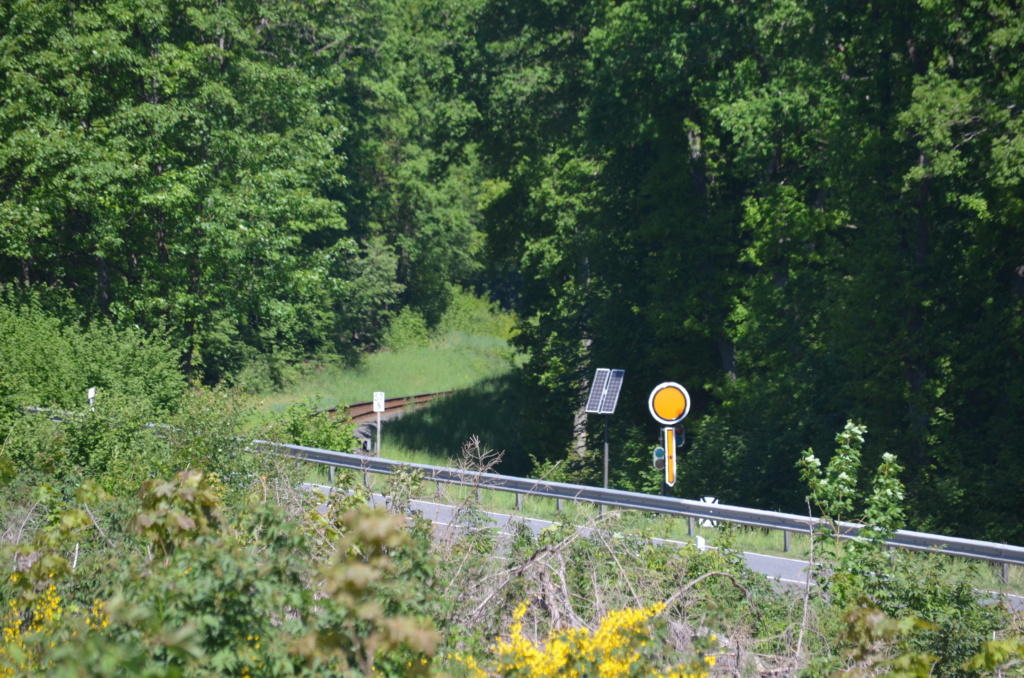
{"x":214,"y":593}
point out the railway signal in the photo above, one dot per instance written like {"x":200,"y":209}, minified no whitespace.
{"x":669,"y":404}
{"x":659,"y":458}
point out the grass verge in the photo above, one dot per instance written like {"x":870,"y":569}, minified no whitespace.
{"x":457,"y":361}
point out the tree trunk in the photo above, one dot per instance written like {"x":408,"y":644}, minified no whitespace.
{"x":727,"y":352}
{"x":916,"y":370}
{"x":103,"y":283}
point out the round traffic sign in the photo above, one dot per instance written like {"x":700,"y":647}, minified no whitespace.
{"x":669,"y":403}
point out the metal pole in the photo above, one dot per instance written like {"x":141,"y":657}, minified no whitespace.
{"x":378,"y":434}
{"x":601,"y":510}
{"x":606,"y":452}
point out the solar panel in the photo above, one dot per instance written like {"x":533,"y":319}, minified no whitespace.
{"x":604,"y":393}
{"x":597,"y":390}
{"x":611,"y":392}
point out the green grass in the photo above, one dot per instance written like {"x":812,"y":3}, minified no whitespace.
{"x":456,"y":362}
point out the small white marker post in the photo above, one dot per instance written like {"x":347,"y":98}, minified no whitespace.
{"x":378,"y":407}
{"x":92,"y":396}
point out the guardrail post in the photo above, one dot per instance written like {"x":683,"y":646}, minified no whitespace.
{"x":689,"y":526}
{"x":785,"y":541}
{"x":330,"y":475}
{"x":519,"y":501}
{"x":1006,"y":573}
{"x":366,"y":479}
{"x":479,"y":495}
{"x":558,"y":504}
{"x":438,"y":484}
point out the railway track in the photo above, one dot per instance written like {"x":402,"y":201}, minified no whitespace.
{"x":363,"y":412}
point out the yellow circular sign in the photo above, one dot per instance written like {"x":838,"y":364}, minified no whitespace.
{"x":669,"y":403}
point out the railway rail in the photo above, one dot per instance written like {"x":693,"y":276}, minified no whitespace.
{"x":363,"y":412}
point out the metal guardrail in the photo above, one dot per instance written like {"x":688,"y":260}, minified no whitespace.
{"x":1005,"y":554}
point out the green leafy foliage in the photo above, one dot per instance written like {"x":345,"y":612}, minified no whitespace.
{"x":229,"y":592}
{"x":304,"y":424}
{"x":188,"y":166}
{"x":908,"y":614}
{"x":407,"y":330}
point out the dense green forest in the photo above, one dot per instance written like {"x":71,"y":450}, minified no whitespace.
{"x":804,"y":212}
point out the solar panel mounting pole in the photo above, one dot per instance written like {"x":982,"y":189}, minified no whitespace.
{"x":606,"y":451}
{"x":604,"y":395}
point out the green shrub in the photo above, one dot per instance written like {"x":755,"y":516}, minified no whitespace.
{"x":408,"y":330}
{"x":224,"y":590}
{"x":48,"y":362}
{"x":471,"y":314}
{"x":304,"y":424}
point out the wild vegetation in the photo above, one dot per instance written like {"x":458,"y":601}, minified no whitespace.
{"x":807,"y":213}
{"x":116,"y":564}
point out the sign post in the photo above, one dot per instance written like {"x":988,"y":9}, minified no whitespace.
{"x":669,"y":404}
{"x":378,"y":407}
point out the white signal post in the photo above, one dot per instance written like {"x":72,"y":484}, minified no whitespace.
{"x":378,"y":407}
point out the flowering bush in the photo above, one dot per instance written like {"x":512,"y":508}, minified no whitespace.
{"x":620,"y":647}
{"x":22,"y":628}
{"x":33,"y":627}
